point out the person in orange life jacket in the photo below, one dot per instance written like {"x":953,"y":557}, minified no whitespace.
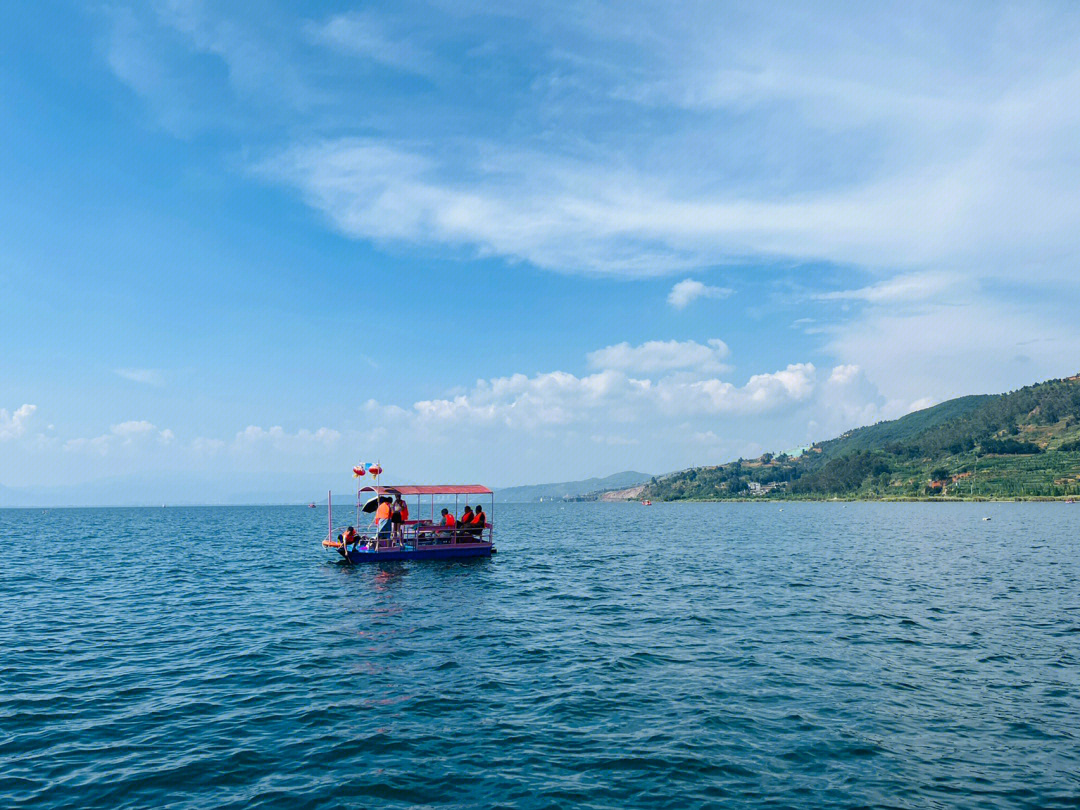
{"x":397,"y":519}
{"x":479,"y":518}
{"x":382,"y":519}
{"x":350,"y":538}
{"x":447,"y":519}
{"x":466,"y":517}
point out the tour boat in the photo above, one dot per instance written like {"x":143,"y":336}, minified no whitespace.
{"x":419,"y":538}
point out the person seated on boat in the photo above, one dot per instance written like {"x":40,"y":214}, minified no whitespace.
{"x":479,"y":520}
{"x":448,"y":520}
{"x":466,"y":517}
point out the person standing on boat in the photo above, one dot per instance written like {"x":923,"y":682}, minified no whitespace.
{"x":396,"y":520}
{"x":382,"y":519}
{"x":403,"y":508}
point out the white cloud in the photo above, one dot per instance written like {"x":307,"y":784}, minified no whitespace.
{"x":899,"y":289}
{"x":364,"y":34}
{"x":254,"y":437}
{"x":203,"y":446}
{"x":559,"y":398}
{"x":661,"y":355}
{"x":930,"y":157}
{"x":133,"y":434}
{"x":920,"y":404}
{"x":133,"y":428}
{"x":687,"y":291}
{"x":148,"y":376}
{"x":13,"y":425}
{"x":978,"y":345}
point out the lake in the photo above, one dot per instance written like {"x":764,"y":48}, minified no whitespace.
{"x":609,"y":656}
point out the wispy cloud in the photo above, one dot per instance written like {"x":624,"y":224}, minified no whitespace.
{"x":364,"y":34}
{"x":662,"y":355}
{"x":147,"y":376}
{"x":132,"y":436}
{"x":899,"y":170}
{"x":686,"y":292}
{"x":899,"y":289}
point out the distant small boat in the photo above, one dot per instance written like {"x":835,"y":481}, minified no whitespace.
{"x":646,"y":503}
{"x":311,"y":505}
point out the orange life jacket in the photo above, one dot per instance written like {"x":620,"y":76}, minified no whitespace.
{"x":466,"y":518}
{"x":383,"y":512}
{"x":450,"y":521}
{"x":404,"y":511}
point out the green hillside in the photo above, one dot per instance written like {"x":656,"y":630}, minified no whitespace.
{"x":1025,"y":443}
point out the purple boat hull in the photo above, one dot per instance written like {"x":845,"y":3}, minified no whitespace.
{"x":425,"y":552}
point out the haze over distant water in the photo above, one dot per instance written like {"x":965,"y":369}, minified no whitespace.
{"x":611,"y":655}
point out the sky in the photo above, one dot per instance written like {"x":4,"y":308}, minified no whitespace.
{"x":512,"y":243}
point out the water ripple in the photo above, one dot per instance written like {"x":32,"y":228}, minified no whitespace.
{"x":610,"y":656}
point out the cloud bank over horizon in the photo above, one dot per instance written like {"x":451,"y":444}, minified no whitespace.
{"x":667,"y":396}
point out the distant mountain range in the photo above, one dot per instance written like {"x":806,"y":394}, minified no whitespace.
{"x":570,"y":489}
{"x":176,"y":489}
{"x":1025,"y":443}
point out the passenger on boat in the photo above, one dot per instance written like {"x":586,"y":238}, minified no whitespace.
{"x":447,"y":519}
{"x":350,"y":538}
{"x":395,"y":520}
{"x":404,"y":507}
{"x":466,"y":517}
{"x":382,"y":519}
{"x":479,"y":519}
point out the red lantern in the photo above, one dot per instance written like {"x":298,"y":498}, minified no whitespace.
{"x":358,"y":470}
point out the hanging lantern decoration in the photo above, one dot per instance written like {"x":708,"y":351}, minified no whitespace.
{"x":358,"y":471}
{"x":374,"y":469}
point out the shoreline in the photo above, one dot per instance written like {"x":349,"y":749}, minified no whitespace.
{"x":1063,"y":499}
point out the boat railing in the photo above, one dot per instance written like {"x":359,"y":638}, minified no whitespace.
{"x":424,"y":532}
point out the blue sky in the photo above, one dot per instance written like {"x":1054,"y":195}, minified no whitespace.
{"x":522,"y":244}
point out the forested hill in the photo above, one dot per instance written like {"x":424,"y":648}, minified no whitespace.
{"x":1025,"y":443}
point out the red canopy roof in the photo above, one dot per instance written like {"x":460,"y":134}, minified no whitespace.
{"x":438,"y":489}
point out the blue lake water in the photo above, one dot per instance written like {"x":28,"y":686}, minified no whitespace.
{"x":611,"y":655}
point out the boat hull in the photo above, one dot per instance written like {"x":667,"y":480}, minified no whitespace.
{"x":434,"y":552}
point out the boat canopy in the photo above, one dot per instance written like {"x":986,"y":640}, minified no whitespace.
{"x":428,"y":489}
